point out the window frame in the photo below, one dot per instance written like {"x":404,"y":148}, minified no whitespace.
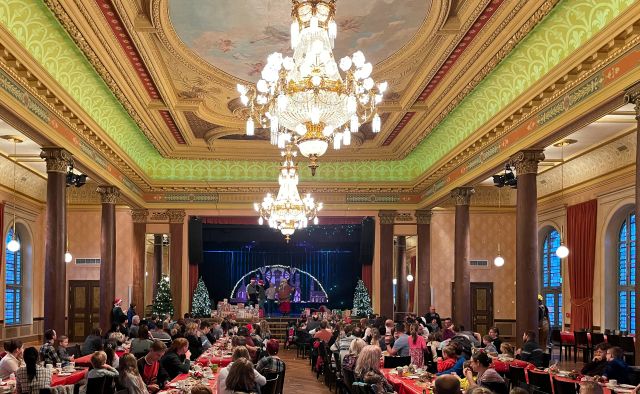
{"x":626,"y":251}
{"x":17,"y":288}
{"x":551,"y":294}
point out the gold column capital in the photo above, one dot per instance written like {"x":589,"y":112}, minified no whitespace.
{"x":423,"y":216}
{"x":632,"y":96}
{"x":108,"y":194}
{"x":462,"y":195}
{"x":526,"y":161}
{"x":139,"y":215}
{"x":387,"y":216}
{"x":57,"y":159}
{"x":176,"y":215}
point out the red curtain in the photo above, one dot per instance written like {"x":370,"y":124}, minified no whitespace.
{"x":193,"y":281}
{"x":581,"y":241}
{"x":367,"y":276}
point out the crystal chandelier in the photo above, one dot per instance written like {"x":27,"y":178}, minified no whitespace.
{"x":303,"y":99}
{"x":288,"y":211}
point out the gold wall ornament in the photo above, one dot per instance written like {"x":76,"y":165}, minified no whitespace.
{"x":387,"y":216}
{"x":423,"y":216}
{"x":462,"y":195}
{"x":57,"y":159}
{"x":108,"y":194}
{"x":176,"y":215}
{"x":526,"y":161}
{"x":139,"y":215}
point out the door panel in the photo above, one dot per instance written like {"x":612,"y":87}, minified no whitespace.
{"x":482,"y":306}
{"x":84,"y":308}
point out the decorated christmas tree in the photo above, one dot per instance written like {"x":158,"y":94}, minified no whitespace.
{"x":201,"y":305}
{"x":361,"y":300}
{"x":163,"y":303}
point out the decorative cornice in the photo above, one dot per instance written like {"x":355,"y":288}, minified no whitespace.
{"x":176,"y":215}
{"x":387,"y":217}
{"x":462,"y":195}
{"x":526,"y":161}
{"x":632,"y":96}
{"x":159,"y":216}
{"x":108,"y":194}
{"x":57,"y":159}
{"x":423,"y":216}
{"x":404,"y":217}
{"x":139,"y":215}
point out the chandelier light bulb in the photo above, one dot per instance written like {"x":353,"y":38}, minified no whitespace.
{"x":241,"y":89}
{"x":562,"y":251}
{"x":409,"y":278}
{"x":295,"y":34}
{"x":382,"y":86}
{"x":498,"y":261}
{"x":13,"y":245}
{"x":346,"y":138}
{"x":250,"y":127}
{"x":316,"y":80}
{"x":345,"y":63}
{"x":358,"y":59}
{"x":244,"y":100}
{"x":368,"y":83}
{"x":354,"y":124}
{"x":366,"y":70}
{"x":333,"y":29}
{"x":375,"y":123}
{"x":68,"y":257}
{"x":262,"y":86}
{"x":336,"y":141}
{"x":313,"y":23}
{"x":260,"y":221}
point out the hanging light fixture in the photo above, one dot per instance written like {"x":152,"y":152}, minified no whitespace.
{"x":14,"y":244}
{"x":562,"y":250}
{"x":409,"y":278}
{"x":498,"y":261}
{"x":304,"y":96}
{"x":68,"y":257}
{"x":288,"y":212}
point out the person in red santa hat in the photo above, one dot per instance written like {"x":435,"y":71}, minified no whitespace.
{"x":117,"y":314}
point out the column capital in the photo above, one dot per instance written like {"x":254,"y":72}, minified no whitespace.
{"x":632,"y":96}
{"x":108,"y":194}
{"x":139,"y":215}
{"x":57,"y":159}
{"x":387,"y":217}
{"x":176,"y":215}
{"x":526,"y":161}
{"x":423,"y":216}
{"x":462,"y":195}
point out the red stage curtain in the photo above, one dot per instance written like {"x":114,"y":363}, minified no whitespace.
{"x":193,"y":281}
{"x":367,"y":276}
{"x":581,"y":241}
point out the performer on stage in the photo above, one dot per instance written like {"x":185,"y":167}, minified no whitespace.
{"x":252,"y":292}
{"x":262,"y":297}
{"x":285,"y":291}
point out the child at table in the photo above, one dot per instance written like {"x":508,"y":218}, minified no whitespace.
{"x":130,"y":377}
{"x":63,"y":343}
{"x":450,"y":358}
{"x":100,"y":369}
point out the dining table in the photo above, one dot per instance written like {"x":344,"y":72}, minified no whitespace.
{"x":173,"y":386}
{"x":405,"y":385}
{"x":57,"y":379}
{"x":85,"y":361}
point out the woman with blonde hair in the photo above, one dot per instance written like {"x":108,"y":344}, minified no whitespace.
{"x":507,"y":350}
{"x":355,"y":348}
{"x":369,"y":361}
{"x":195,"y":343}
{"x":375,"y":337}
{"x":130,"y":376}
{"x":239,"y":353}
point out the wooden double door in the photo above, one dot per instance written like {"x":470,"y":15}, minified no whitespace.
{"x":84,"y":308}
{"x":481,"y":306}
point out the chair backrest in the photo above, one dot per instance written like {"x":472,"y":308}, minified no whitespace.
{"x":564,"y":387}
{"x":582,"y":338}
{"x":392,"y":362}
{"x":556,"y":337}
{"x":272,"y":384}
{"x":103,"y":385}
{"x":74,"y":350}
{"x":546,"y":358}
{"x":516,"y":375}
{"x":280,"y":384}
{"x":613,"y":339}
{"x":497,"y":387}
{"x":597,"y":338}
{"x":540,"y":381}
{"x":361,"y":388}
{"x":627,"y":344}
{"x":348,"y":377}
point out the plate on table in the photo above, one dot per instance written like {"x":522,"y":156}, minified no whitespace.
{"x":64,"y":374}
{"x":173,"y":384}
{"x":413,"y":377}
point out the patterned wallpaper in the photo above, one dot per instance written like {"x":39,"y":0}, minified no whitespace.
{"x":483,"y":240}
{"x":567,"y":27}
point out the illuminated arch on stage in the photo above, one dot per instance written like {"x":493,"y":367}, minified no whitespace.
{"x":273,"y":274}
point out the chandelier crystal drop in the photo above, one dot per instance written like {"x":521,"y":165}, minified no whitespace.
{"x":288,"y":211}
{"x":305,"y":96}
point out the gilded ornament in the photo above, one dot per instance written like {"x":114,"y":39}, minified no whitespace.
{"x":526,"y":161}
{"x":462,"y":195}
{"x":57,"y":159}
{"x":387,"y":217}
{"x":108,"y":194}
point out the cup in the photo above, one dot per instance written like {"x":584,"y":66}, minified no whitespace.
{"x":613,"y":382}
{"x":49,"y":366}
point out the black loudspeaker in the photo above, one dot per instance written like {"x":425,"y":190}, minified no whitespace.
{"x":367,"y":239}
{"x":195,"y":240}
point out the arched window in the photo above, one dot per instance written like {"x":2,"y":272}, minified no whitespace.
{"x":626,"y":274}
{"x":552,"y":278}
{"x":13,"y":284}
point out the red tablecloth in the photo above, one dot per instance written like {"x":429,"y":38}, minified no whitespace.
{"x":402,"y":385}
{"x":569,"y":338}
{"x":85,"y":361}
{"x":503,"y":367}
{"x":221,"y":361}
{"x":74,"y":378}
{"x":213,"y":384}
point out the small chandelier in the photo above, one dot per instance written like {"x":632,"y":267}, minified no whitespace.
{"x":303,"y":99}
{"x":14,"y":243}
{"x":288,"y":211}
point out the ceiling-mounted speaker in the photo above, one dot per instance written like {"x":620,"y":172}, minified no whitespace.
{"x":196,"y":254}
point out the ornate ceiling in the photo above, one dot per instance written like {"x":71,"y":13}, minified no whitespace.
{"x":151,"y":85}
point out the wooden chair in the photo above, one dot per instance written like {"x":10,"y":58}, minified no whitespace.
{"x":564,"y":387}
{"x":103,"y":385}
{"x":582,"y":344}
{"x":539,"y":382}
{"x":393,"y":362}
{"x":517,"y":377}
{"x":614,"y":340}
{"x":556,"y":341}
{"x":348,"y":378}
{"x":272,"y":384}
{"x":280,"y":385}
{"x":628,"y":346}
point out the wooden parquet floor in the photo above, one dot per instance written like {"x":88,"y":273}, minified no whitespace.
{"x":299,"y":378}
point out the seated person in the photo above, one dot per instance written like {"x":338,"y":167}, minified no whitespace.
{"x":93,"y":342}
{"x":459,"y":364}
{"x":271,"y":363}
{"x":369,"y":363}
{"x":489,"y":347}
{"x":616,"y":368}
{"x":401,"y":344}
{"x":141,"y":344}
{"x":152,"y":373}
{"x":63,"y":343}
{"x":100,"y":369}
{"x":48,"y":353}
{"x":486,"y":376}
{"x":239,"y":353}
{"x":324,"y":333}
{"x":176,"y":360}
{"x":507,"y":350}
{"x":447,"y":384}
{"x":195,"y":344}
{"x":448,"y":360}
{"x":242,"y":378}
{"x":596,"y":366}
{"x":12,"y":360}
{"x":32,"y":377}
{"x":494,"y":333}
{"x":205,"y":329}
{"x":531,"y":351}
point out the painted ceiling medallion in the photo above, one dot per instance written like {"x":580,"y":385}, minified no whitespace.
{"x":304,"y":99}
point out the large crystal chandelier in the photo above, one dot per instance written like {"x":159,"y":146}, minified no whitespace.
{"x":303,"y":99}
{"x":288,"y":211}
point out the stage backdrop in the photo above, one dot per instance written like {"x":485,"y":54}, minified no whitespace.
{"x":322,"y":258}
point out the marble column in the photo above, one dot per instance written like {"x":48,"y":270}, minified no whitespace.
{"x":527,"y":262}
{"x":402,"y":288}
{"x":108,"y":197}
{"x":633,"y":97}
{"x":423,"y":275}
{"x":176,"y":222}
{"x":139,"y":218}
{"x":55,"y":270}
{"x":386,"y":263}
{"x":158,"y":256}
{"x":462,"y":280}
